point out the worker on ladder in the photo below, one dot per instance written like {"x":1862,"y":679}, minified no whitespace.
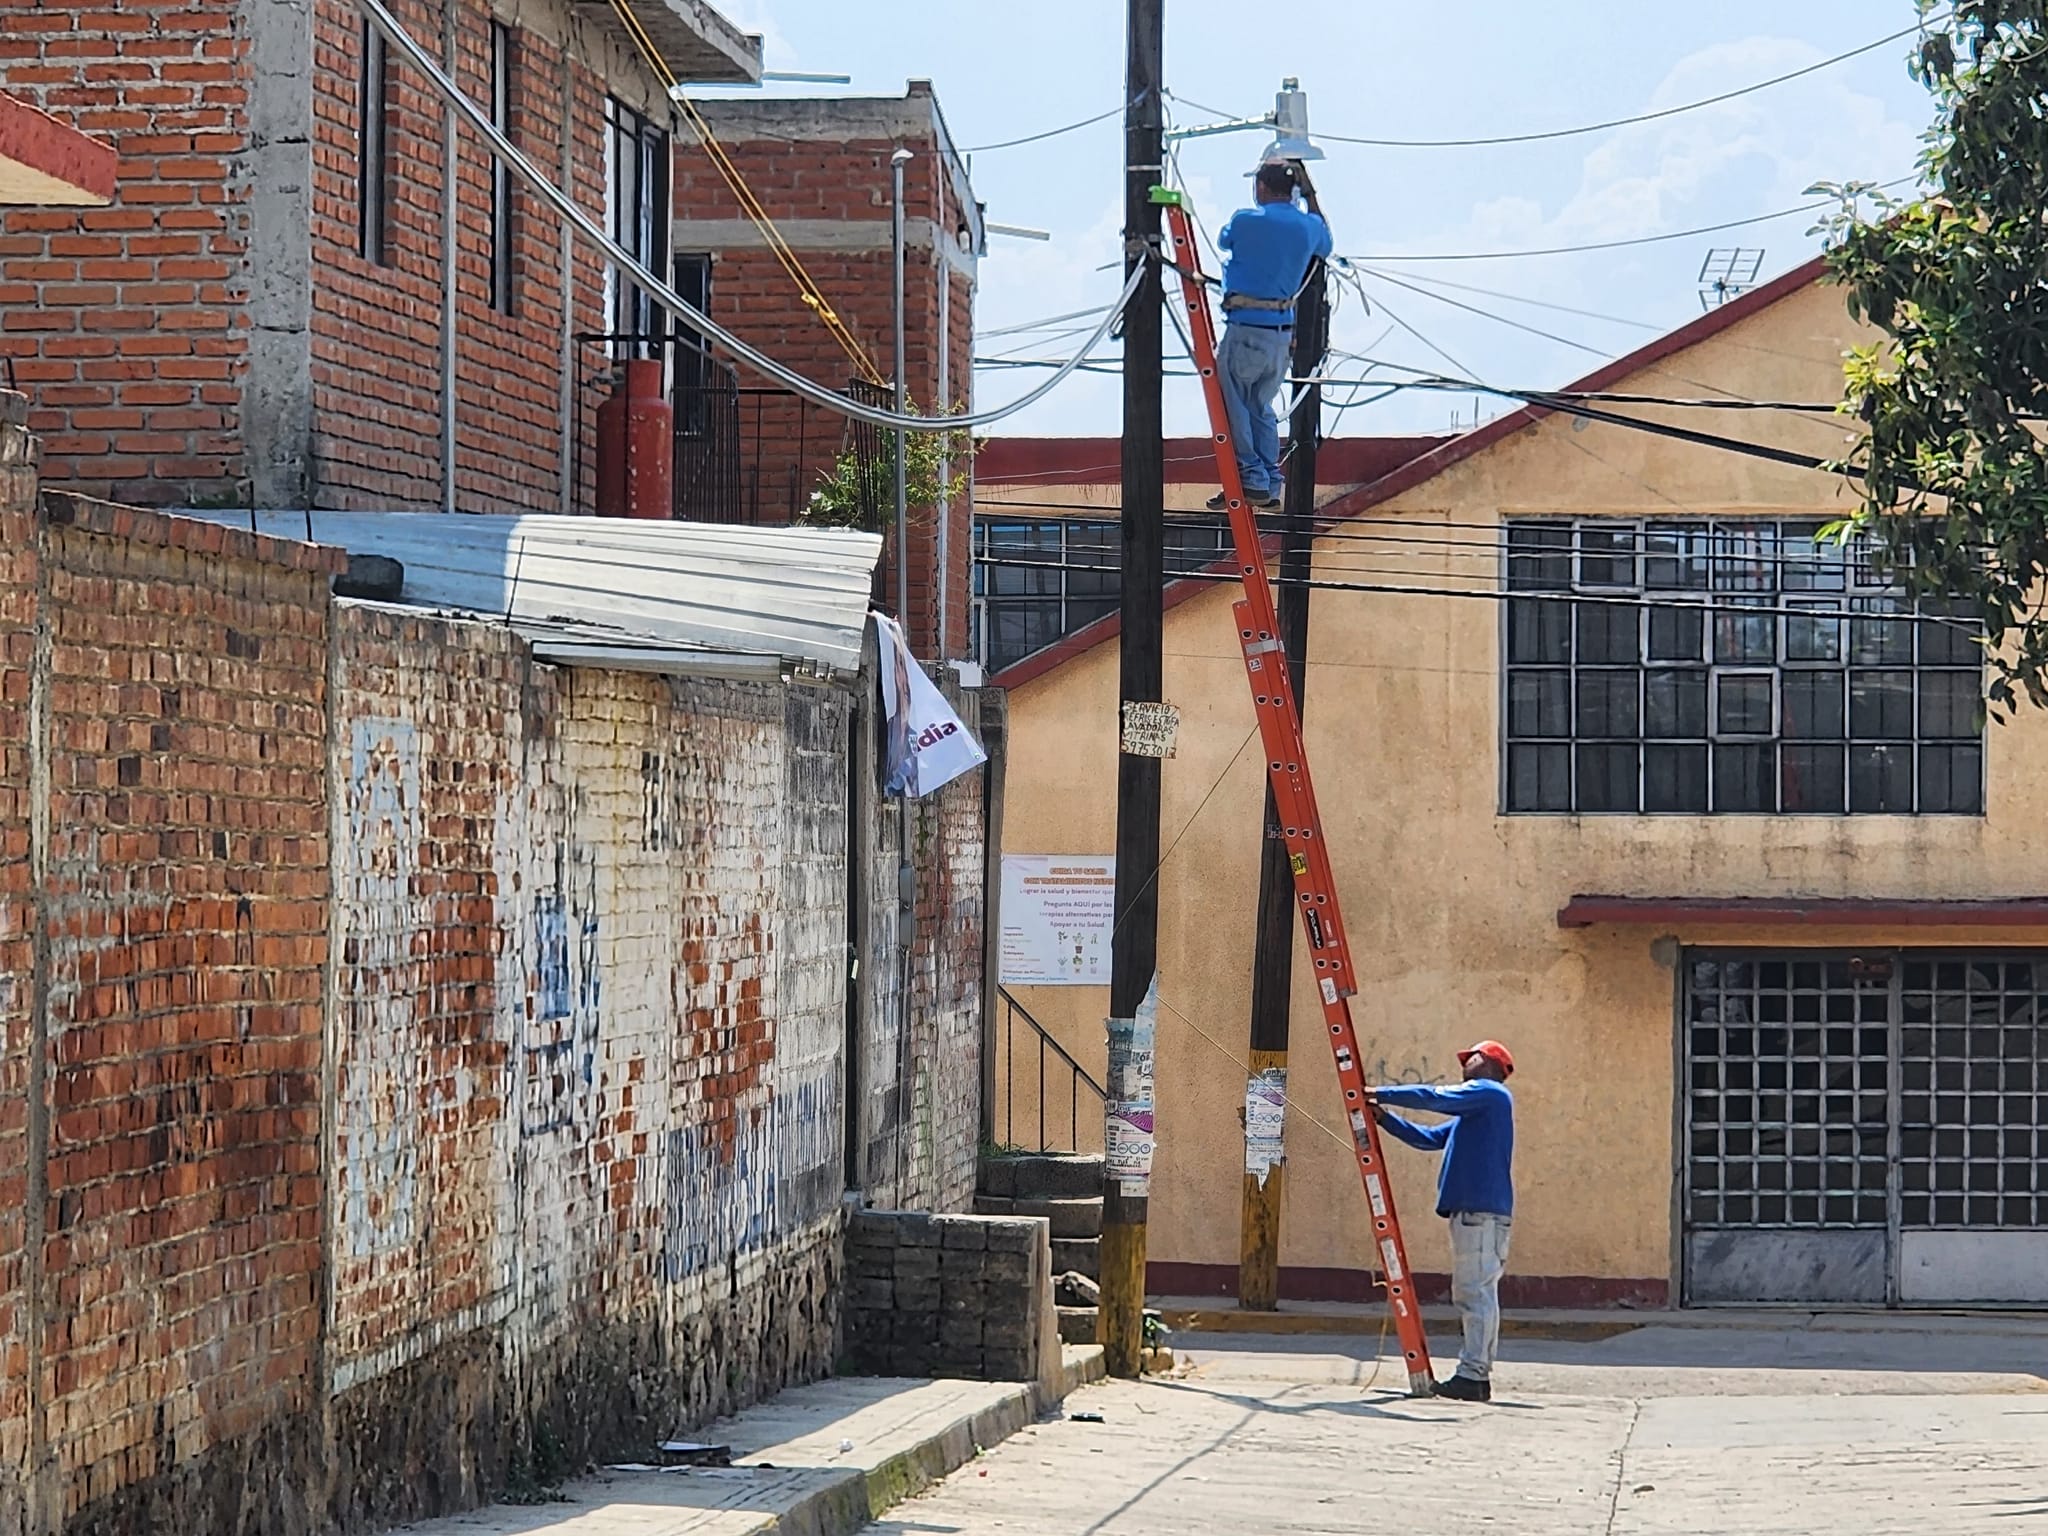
{"x":1272,"y":245}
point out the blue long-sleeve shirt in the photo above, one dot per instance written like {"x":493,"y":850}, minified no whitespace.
{"x":1271,"y":246}
{"x":1478,"y":1141}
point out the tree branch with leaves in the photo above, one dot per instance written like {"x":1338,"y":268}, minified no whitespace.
{"x":1954,"y":480}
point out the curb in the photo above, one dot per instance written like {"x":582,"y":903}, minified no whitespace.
{"x":851,"y":1501}
{"x":1352,"y":1324}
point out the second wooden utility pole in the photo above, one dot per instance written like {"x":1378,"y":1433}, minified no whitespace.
{"x":1265,"y":1100}
{"x":1134,"y":948}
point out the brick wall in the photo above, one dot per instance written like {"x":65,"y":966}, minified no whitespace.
{"x":182,"y":910}
{"x":592,"y":984}
{"x":18,"y":580}
{"x":821,"y":170}
{"x":217,"y":333}
{"x":121,"y":321}
{"x":569,"y":1016}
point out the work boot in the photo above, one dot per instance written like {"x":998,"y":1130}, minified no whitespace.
{"x":1465,"y":1389}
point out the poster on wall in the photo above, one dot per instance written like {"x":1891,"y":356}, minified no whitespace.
{"x":1265,"y":1118}
{"x":1058,"y":912}
{"x":1130,"y":1123}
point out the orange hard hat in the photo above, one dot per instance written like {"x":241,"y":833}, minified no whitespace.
{"x":1494,"y":1052}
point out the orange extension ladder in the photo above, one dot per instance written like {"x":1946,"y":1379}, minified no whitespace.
{"x":1315,"y":886}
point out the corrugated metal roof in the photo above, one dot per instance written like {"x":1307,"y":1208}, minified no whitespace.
{"x":798,"y":594}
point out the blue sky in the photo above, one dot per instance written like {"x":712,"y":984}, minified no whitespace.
{"x":1478,"y":68}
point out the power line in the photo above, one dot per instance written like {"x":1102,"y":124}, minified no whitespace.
{"x":1617,"y":245}
{"x":1039,"y":325}
{"x":1625,"y":122}
{"x":1484,"y":314}
{"x":689,"y":315}
{"x":1726,"y":604}
{"x":1039,"y":138}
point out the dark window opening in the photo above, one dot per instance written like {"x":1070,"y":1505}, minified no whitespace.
{"x":373,"y":149}
{"x":501,"y":176}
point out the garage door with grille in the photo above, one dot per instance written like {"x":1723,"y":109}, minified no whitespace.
{"x":1865,"y":1128}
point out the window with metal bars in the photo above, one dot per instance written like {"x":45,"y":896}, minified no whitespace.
{"x":1037,"y":580}
{"x":1729,"y":667}
{"x":637,"y":155}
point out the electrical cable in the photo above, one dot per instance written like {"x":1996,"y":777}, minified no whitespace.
{"x":1617,"y":245}
{"x":807,"y":288}
{"x":1703,"y":606}
{"x":1472,"y":309}
{"x":1040,"y":325}
{"x":691,"y":317}
{"x":1050,"y":133}
{"x":1626,"y":122}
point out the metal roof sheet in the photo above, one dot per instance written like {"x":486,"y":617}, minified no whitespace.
{"x":798,"y":594}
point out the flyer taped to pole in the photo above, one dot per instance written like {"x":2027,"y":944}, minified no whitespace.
{"x":1130,"y":1139}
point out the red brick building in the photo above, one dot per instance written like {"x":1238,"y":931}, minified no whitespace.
{"x":285,"y":303}
{"x":821,"y":171}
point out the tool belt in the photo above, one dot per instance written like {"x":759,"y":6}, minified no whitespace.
{"x":1233,"y":301}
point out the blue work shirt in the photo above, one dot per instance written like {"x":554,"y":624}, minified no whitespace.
{"x":1478,"y":1141}
{"x":1270,"y":248}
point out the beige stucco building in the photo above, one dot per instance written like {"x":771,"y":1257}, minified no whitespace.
{"x":1791,"y":1052}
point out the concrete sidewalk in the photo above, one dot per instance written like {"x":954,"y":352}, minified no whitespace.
{"x":1189,"y":1316}
{"x":1815,"y":1428}
{"x":790,"y":1474}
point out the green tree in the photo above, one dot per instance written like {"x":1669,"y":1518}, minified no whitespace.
{"x":1954,"y":482}
{"x":859,"y":490}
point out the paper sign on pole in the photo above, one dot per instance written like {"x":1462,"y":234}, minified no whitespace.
{"x":1058,"y":913}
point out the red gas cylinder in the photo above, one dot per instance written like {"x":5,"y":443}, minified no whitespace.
{"x":636,"y":445}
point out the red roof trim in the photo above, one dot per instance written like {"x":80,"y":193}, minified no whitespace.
{"x":1429,"y":465}
{"x":1047,"y":462}
{"x":1803,"y":912}
{"x":41,"y":146}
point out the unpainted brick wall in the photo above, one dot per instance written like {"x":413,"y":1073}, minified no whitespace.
{"x":122,"y":321}
{"x":845,"y":181}
{"x":179,"y":919}
{"x":131,"y":326}
{"x":18,"y":581}
{"x":581,"y":963}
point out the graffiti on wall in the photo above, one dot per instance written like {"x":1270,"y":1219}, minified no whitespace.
{"x":563,"y":1026}
{"x":779,"y":1173}
{"x":380,"y":1077}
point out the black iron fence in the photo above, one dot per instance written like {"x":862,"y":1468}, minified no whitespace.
{"x":750,"y":454}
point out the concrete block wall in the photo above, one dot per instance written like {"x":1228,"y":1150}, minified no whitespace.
{"x":960,"y":1296}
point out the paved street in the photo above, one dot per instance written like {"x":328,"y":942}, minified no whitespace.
{"x":1823,"y":1426}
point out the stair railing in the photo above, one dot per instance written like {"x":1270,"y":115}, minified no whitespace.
{"x":1077,"y":1076}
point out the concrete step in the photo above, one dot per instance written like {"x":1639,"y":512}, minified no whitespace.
{"x":1069,"y":1218}
{"x":1042,"y":1176}
{"x":1078,"y":1255}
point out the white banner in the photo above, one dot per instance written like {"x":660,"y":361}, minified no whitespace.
{"x":1058,"y":913}
{"x":928,"y":744}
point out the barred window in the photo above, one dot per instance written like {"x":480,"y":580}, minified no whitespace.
{"x":1688,"y":668}
{"x":1037,"y":580}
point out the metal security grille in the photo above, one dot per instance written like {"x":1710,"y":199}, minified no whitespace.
{"x":1865,"y":1127}
{"x":1973,"y":1113}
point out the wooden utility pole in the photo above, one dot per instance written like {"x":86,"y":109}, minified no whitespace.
{"x":1258,"y":1265}
{"x":1134,"y":950}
